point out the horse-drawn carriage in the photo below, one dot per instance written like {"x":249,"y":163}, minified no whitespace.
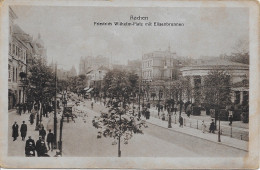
{"x":68,"y":113}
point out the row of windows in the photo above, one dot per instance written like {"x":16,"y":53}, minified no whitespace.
{"x":147,"y":74}
{"x":147,"y":63}
{"x":18,"y":52}
{"x":12,"y":73}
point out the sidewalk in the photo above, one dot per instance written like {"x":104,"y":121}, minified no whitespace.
{"x":232,"y":142}
{"x":17,"y":148}
{"x":225,"y":140}
{"x":235,"y":124}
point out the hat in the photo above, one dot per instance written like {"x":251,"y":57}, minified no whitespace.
{"x":30,"y":143}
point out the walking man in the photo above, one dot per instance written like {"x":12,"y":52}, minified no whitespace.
{"x":20,"y":109}
{"x":41,"y":148}
{"x":23,"y":130}
{"x":212,"y":127}
{"x":50,"y":140}
{"x":24,"y":107}
{"x":32,"y":118}
{"x":15,"y":128}
{"x":181,"y":121}
{"x":42,"y":133}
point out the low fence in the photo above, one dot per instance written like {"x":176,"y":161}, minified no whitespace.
{"x":230,"y":131}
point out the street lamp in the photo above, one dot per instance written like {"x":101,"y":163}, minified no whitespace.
{"x":159,"y":106}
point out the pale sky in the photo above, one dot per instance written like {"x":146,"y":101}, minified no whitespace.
{"x":69,"y":33}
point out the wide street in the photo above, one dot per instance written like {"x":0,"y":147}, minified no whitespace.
{"x":80,"y":140}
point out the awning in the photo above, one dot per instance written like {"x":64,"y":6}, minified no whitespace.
{"x":86,"y":88}
{"x":89,"y":90}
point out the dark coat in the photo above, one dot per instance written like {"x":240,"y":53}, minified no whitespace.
{"x":31,"y":118}
{"x":212,"y":126}
{"x":28,"y":141}
{"x":15,"y":131}
{"x":42,"y":132}
{"x":41,"y":147}
{"x":181,"y":121}
{"x":50,"y":137}
{"x":23,"y":130}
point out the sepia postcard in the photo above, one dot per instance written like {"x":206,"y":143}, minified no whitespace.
{"x":129,"y":84}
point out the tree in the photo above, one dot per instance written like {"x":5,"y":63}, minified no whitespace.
{"x":120,"y":120}
{"x":240,"y":52}
{"x":41,"y":81}
{"x":41,"y":85}
{"x":217,"y":88}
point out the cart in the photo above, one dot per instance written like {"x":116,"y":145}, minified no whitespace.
{"x":68,"y":113}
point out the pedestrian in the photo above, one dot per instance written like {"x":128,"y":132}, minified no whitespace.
{"x":20,"y":108}
{"x":30,"y":140}
{"x":41,"y":148}
{"x":42,"y":133}
{"x":203,"y":126}
{"x":29,"y":107}
{"x":30,"y":147}
{"x":230,"y":117}
{"x":50,"y":140}
{"x":212,"y":127}
{"x":147,"y":114}
{"x":24,"y":107}
{"x":23,"y":130}
{"x":15,"y":128}
{"x":92,"y":104}
{"x":31,"y":118}
{"x":40,"y":125}
{"x":181,"y":121}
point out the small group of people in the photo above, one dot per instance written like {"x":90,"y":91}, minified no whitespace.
{"x":40,"y":146}
{"x":30,"y":146}
{"x":15,"y":130}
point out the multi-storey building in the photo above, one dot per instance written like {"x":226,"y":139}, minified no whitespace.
{"x":238,"y":72}
{"x":22,"y":52}
{"x":17,"y":63}
{"x":159,"y":65}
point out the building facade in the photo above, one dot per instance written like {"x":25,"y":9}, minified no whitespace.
{"x":23,"y":51}
{"x":17,"y":63}
{"x":239,"y":74}
{"x":159,"y":65}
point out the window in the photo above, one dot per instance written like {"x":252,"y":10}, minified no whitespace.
{"x":10,"y":48}
{"x":14,"y":49}
{"x":13,"y":73}
{"x":237,"y":99}
{"x":16,"y":75}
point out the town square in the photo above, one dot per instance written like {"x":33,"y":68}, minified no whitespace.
{"x":81,"y":89}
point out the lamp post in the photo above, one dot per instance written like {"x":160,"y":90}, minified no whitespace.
{"x":61,"y":123}
{"x":159,"y":105}
{"x":219,"y":140}
{"x":55,"y":110}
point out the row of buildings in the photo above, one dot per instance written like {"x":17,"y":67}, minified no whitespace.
{"x":23,"y":49}
{"x":160,"y":68}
